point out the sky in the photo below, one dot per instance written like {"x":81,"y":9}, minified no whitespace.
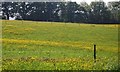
{"x":89,"y":1}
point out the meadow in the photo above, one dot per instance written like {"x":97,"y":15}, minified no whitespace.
{"x":30,"y":45}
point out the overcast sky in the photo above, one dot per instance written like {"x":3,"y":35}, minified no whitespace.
{"x":88,"y":1}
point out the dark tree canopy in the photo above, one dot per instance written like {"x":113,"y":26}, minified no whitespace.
{"x":96,"y":12}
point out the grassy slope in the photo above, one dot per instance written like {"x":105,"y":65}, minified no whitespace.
{"x":45,"y":40}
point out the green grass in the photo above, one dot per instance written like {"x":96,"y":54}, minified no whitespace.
{"x":31,"y":45}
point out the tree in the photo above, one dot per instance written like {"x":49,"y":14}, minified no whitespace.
{"x":114,"y":7}
{"x":71,"y":8}
{"x":99,"y":13}
{"x":96,"y":12}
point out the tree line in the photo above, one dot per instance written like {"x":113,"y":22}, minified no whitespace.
{"x":96,"y":12}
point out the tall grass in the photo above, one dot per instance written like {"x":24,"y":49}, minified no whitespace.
{"x":31,"y":45}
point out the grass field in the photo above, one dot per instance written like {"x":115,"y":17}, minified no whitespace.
{"x":31,"y":45}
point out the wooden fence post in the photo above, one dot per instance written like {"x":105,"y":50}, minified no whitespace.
{"x":94,"y":53}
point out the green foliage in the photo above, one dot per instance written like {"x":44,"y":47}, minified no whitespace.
{"x":96,"y":12}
